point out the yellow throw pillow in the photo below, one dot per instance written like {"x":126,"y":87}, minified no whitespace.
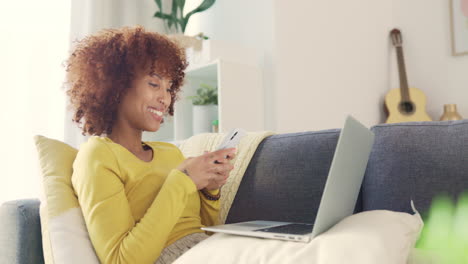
{"x":65,"y":238}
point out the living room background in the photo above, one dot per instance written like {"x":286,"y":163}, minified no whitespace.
{"x":321,"y":61}
{"x":325,"y":59}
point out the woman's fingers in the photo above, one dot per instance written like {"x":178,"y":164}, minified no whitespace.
{"x":219,"y":180}
{"x":226,"y":159}
{"x":222,"y":167}
{"x":219,"y":167}
{"x":223,"y":182}
{"x":220,"y":155}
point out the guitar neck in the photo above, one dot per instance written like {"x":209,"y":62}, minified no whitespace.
{"x":402,"y":73}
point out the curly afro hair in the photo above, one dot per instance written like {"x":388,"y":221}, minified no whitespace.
{"x":103,"y":66}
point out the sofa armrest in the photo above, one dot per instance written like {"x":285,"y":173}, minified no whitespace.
{"x":20,"y":232}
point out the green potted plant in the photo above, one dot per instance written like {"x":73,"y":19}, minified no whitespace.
{"x":205,"y":108}
{"x":206,"y":95}
{"x":176,"y":22}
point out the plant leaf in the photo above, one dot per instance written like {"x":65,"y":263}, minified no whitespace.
{"x":202,"y":7}
{"x":161,"y":15}
{"x":175,"y":14}
{"x":159,"y":3}
{"x":181,"y":10}
{"x":168,"y":19}
{"x":205,"y":95}
{"x":180,"y":5}
{"x":174,"y":8}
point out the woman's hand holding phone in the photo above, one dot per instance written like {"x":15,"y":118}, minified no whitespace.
{"x":209,"y":170}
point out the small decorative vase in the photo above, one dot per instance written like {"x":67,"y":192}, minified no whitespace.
{"x":203,"y":117}
{"x":450,"y":113}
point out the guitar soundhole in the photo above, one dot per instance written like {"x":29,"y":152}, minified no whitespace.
{"x":406,"y":108}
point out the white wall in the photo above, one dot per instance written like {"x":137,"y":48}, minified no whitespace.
{"x":325,"y":59}
{"x":246,"y":23}
{"x":34,"y":43}
{"x":430,"y":65}
{"x":332,"y":60}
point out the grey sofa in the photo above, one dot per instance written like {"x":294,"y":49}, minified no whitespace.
{"x":286,"y":176}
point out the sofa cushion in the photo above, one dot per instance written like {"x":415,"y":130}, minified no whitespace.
{"x":285,"y":178}
{"x":20,"y":232}
{"x":379,"y":236}
{"x":65,"y":236}
{"x":416,"y":161}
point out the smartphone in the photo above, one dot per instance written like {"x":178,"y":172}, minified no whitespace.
{"x":232,"y":138}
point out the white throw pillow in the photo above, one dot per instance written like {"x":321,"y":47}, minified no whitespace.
{"x":365,"y":238}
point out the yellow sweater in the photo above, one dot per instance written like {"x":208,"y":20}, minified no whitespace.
{"x":134,"y":209}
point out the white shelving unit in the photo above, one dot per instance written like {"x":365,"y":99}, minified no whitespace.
{"x":240,"y":99}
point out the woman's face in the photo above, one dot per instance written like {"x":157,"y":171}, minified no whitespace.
{"x":146,"y":102}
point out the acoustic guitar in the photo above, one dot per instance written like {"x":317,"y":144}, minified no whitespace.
{"x":404,"y":104}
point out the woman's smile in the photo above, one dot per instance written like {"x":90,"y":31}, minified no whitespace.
{"x":156,"y":114}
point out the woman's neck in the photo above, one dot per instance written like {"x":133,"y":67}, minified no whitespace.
{"x":127,"y":137}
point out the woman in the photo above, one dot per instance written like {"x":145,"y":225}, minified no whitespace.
{"x":140,"y":200}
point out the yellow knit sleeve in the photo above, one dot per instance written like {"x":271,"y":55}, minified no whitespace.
{"x":115,"y":235}
{"x":209,"y":210}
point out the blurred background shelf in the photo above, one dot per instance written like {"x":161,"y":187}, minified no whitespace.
{"x":240,"y":100}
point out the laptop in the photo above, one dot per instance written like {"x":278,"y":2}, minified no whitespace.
{"x":339,"y":196}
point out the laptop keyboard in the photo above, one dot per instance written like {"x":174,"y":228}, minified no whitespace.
{"x":297,"y":229}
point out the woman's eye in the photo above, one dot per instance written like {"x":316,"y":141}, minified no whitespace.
{"x":154,"y":84}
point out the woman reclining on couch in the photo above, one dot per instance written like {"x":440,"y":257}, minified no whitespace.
{"x":142,"y":201}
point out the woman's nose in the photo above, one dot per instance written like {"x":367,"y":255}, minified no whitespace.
{"x":165,"y":101}
{"x":165,"y":98}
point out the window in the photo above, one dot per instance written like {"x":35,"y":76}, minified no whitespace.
{"x":34,"y":45}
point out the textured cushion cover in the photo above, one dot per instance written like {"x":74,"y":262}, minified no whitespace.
{"x":64,"y":234}
{"x":416,"y":161}
{"x":371,"y":237}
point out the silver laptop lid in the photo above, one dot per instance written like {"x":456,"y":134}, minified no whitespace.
{"x":345,"y":175}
